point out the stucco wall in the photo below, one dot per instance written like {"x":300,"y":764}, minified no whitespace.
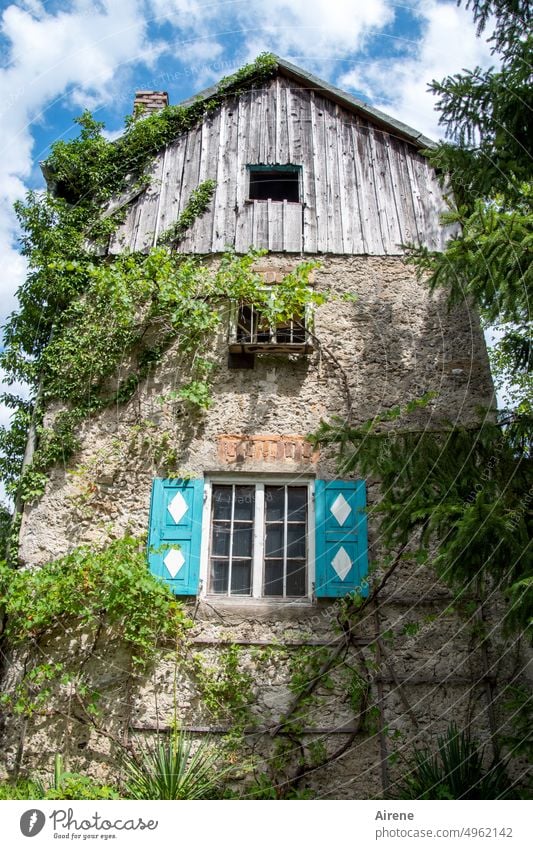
{"x":394,"y":343}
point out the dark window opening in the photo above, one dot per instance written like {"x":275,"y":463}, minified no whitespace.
{"x":271,"y":183}
{"x":241,"y":360}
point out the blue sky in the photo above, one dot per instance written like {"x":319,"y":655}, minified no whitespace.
{"x":57,"y":58}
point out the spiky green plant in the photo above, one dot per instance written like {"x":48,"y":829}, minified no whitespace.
{"x":455,"y":771}
{"x":173,"y":770}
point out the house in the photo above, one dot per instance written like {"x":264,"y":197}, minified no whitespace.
{"x":248,"y":523}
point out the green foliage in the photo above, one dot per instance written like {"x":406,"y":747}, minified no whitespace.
{"x":24,"y":788}
{"x":92,"y":169}
{"x":64,"y":785}
{"x":175,"y":769}
{"x":6,"y":519}
{"x":467,"y":491}
{"x":226,"y":688}
{"x":79,"y":314}
{"x":86,"y":586}
{"x":72,"y":785}
{"x":462,"y":493}
{"x":195,"y":207}
{"x":109,"y":589}
{"x":76,"y":786}
{"x":455,"y":771}
{"x":518,"y":736}
{"x":179,"y":299}
{"x":488,"y":120}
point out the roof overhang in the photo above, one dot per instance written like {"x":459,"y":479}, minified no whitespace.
{"x":352,"y":104}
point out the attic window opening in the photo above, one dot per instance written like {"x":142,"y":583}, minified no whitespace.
{"x":274,"y":182}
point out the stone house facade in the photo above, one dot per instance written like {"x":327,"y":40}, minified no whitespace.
{"x":261,"y":535}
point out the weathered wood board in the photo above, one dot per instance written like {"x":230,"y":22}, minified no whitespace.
{"x":363,"y":190}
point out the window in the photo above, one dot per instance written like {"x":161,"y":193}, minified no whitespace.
{"x":259,"y":540}
{"x":252,"y":332}
{"x":253,"y":329}
{"x":272,"y":538}
{"x":274,"y":182}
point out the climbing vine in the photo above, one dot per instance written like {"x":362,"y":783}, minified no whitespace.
{"x":107,"y":593}
{"x":83,"y":315}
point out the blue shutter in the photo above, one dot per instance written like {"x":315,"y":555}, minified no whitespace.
{"x":176,"y":533}
{"x":341,"y":538}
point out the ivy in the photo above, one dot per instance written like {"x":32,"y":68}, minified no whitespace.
{"x":226,"y":689}
{"x":78,"y":315}
{"x":110,"y":587}
{"x":177,"y":299}
{"x":195,"y":207}
{"x":91,"y":169}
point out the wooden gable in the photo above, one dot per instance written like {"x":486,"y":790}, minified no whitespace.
{"x":365,"y":187}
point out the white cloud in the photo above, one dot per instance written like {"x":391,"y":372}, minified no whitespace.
{"x":79,"y":53}
{"x":447,"y":44}
{"x":316,"y":31}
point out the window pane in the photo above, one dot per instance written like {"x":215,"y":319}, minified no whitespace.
{"x":222,"y":502}
{"x":273,"y":578}
{"x":274,"y":541}
{"x":296,"y":539}
{"x":297,"y":503}
{"x":244,"y":503}
{"x":275,"y":503}
{"x":219,"y":576}
{"x":241,"y":571}
{"x":221,"y":537}
{"x":296,"y":578}
{"x":242,"y":540}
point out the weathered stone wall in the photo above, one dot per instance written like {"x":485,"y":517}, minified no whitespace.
{"x":394,"y":343}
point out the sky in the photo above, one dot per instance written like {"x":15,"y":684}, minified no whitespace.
{"x":59,"y":58}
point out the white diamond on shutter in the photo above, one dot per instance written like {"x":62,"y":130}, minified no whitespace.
{"x":340,"y":509}
{"x":178,"y":507}
{"x":174,"y":560}
{"x":341,"y":563}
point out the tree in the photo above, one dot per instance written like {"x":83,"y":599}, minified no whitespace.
{"x":488,"y":116}
{"x":467,"y":490}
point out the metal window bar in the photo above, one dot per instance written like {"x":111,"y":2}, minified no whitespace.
{"x":252,"y":330}
{"x":231,"y":526}
{"x":285,"y":511}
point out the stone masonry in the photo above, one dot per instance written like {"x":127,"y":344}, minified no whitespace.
{"x":394,"y":343}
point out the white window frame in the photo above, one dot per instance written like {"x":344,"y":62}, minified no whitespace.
{"x":259,"y":481}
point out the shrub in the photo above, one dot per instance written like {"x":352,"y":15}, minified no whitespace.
{"x":454,"y":771}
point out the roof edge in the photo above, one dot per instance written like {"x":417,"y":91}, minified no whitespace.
{"x":384,"y":121}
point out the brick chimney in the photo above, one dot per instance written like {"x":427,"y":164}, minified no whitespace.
{"x":147,"y":102}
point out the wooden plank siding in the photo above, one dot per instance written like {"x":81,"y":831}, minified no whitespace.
{"x":364,"y":191}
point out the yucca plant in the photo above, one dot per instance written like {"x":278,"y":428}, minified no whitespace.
{"x":455,"y":771}
{"x":172,"y":770}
